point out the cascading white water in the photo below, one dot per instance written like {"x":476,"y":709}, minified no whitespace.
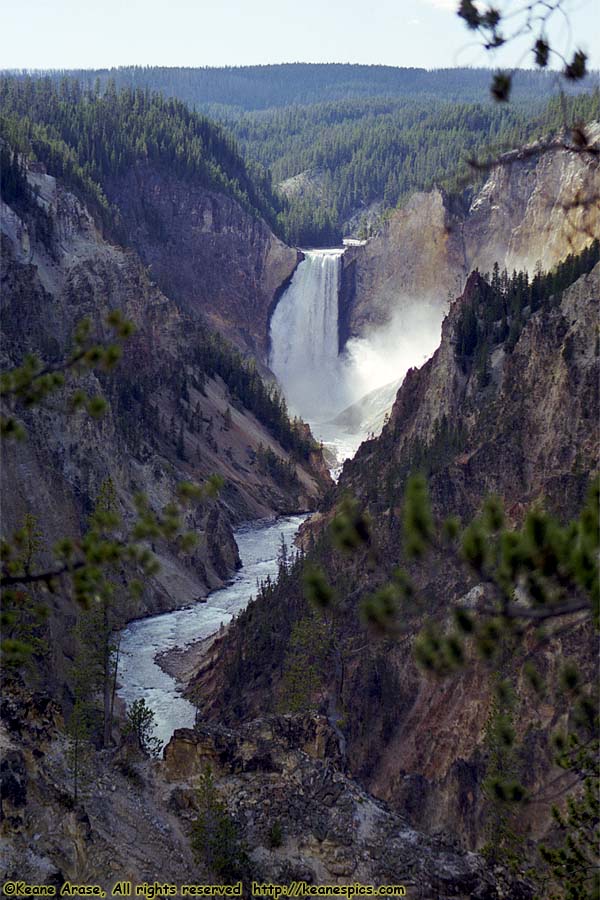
{"x":140,"y":677}
{"x":304,"y":338}
{"x":343,"y":397}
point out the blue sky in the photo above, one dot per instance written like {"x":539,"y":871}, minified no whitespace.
{"x":82,"y":34}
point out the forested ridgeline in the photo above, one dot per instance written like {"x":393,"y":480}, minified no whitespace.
{"x":360,"y":152}
{"x":500,"y":304}
{"x":85,"y":137}
{"x":356,"y":135}
{"x":289,"y":84}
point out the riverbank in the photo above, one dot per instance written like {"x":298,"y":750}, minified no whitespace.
{"x":182,"y":663}
{"x":160,"y":654}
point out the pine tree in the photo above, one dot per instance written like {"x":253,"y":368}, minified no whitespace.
{"x":141,"y":723}
{"x":105,"y":615}
{"x":305,"y":665}
{"x":216,"y":841}
{"x":181,"y":443}
{"x":78,"y":747}
{"x":23,"y":617}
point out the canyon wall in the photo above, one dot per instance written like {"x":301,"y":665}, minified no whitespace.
{"x":526,"y":429}
{"x":165,"y":420}
{"x":217,"y":260}
{"x":522,"y":216}
{"x":527,"y":433}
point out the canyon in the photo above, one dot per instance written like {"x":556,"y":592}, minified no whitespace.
{"x":382,"y":780}
{"x":528,"y":429}
{"x":165,"y":421}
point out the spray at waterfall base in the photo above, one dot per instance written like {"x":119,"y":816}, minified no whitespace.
{"x":344,"y":396}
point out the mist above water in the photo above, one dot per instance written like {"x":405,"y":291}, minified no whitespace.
{"x":387,"y":354}
{"x":344,"y":397}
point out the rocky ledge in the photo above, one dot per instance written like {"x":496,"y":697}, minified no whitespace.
{"x":286,"y":772}
{"x":134,"y":815}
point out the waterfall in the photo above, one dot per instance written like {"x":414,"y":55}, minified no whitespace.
{"x":304,"y":338}
{"x":343,"y":397}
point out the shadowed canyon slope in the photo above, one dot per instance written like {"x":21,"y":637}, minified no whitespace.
{"x":220,"y":262}
{"x":525,"y":427}
{"x":174,"y":410}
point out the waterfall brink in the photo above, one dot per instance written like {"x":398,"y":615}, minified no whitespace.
{"x":304,"y":338}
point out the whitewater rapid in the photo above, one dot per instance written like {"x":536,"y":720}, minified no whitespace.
{"x":140,"y":677}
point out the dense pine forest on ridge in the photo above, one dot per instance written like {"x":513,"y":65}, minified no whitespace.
{"x":86,"y":137}
{"x":316,"y":122}
{"x":301,"y":84}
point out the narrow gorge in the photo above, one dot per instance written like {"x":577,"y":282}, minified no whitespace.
{"x":257,"y":480}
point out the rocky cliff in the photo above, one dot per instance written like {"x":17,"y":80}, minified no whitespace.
{"x":529,"y":432}
{"x":217,"y":260}
{"x":523,"y":215}
{"x":523,"y":426}
{"x":134,"y":817}
{"x":167,"y":420}
{"x":526,"y":429}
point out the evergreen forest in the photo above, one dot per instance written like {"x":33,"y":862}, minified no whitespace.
{"x":319,"y":152}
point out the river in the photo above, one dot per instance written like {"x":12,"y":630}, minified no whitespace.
{"x":139,"y":676}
